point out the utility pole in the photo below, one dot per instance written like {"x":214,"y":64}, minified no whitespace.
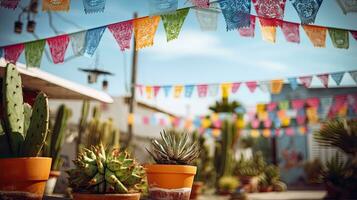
{"x":132,"y":88}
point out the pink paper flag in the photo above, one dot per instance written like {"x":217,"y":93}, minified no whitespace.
{"x":298,"y":104}
{"x":301,"y":119}
{"x":146,"y":120}
{"x":270,"y":8}
{"x":248,"y":31}
{"x":324,"y":79}
{"x":289,"y":131}
{"x":255,"y":123}
{"x":272,"y":106}
{"x":12,"y":53}
{"x":291,"y":31}
{"x":277,"y":132}
{"x":9,"y":4}
{"x":202,"y":90}
{"x":58,"y":46}
{"x":156,"y":90}
{"x":354,"y":34}
{"x":267,"y":123}
{"x":235,"y":87}
{"x":252,"y":85}
{"x":141,"y":90}
{"x":201,"y":3}
{"x":313,"y":102}
{"x":122,"y":33}
{"x":306,"y":80}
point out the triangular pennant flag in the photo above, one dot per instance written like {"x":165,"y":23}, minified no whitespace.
{"x":55,"y":5}
{"x":189,"y":90}
{"x":93,"y":6}
{"x":93,"y":37}
{"x":148,"y":90}
{"x":13,"y":52}
{"x":276,"y":86}
{"x":167,"y":90}
{"x":207,"y":18}
{"x":312,"y":115}
{"x":252,"y":85}
{"x":268,"y":33}
{"x":33,"y":52}
{"x":354,"y":75}
{"x":324,"y":79}
{"x":326,"y":103}
{"x":158,"y":7}
{"x":260,"y":107}
{"x":293,"y":83}
{"x":140,"y":88}
{"x":213,"y":90}
{"x":248,"y":31}
{"x":78,"y":41}
{"x":339,"y":37}
{"x":254,"y":133}
{"x":144,"y":30}
{"x":58,"y":46}
{"x":306,"y":81}
{"x":178,"y":90}
{"x":284,"y":105}
{"x":235,"y":87}
{"x":156,"y":90}
{"x":201,"y":3}
{"x":255,"y":123}
{"x":316,"y":34}
{"x":297,"y":104}
{"x":270,"y":8}
{"x":337,"y":77}
{"x":291,"y":31}
{"x":289,"y":131}
{"x":236,"y":13}
{"x":313,"y":102}
{"x":301,"y":119}
{"x":268,"y":21}
{"x":173,"y":23}
{"x":354,"y":34}
{"x":122,"y":33}
{"x":307,"y":9}
{"x":348,"y":5}
{"x":202,"y":90}
{"x":9,"y":4}
{"x":264,"y":86}
{"x":268,"y":123}
{"x":266,"y":133}
{"x":272,"y":106}
{"x":226,"y":89}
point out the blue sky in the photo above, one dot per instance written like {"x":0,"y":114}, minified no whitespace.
{"x":196,"y":57}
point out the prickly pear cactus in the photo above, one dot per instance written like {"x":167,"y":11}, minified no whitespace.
{"x":98,"y":172}
{"x":27,"y":116}
{"x":38,"y":128}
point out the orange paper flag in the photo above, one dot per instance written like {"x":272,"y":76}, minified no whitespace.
{"x":316,"y":34}
{"x":144,"y":31}
{"x":266,"y":133}
{"x":254,"y":133}
{"x":178,"y":90}
{"x":55,"y":5}
{"x":148,"y":90}
{"x":268,"y":33}
{"x":276,"y":86}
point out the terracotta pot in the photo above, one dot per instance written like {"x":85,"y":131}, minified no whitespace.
{"x":170,"y":182}
{"x":25,"y":176}
{"x":196,"y":190}
{"x":249,"y":183}
{"x":266,"y":189}
{"x":133,"y":196}
{"x":51,"y":182}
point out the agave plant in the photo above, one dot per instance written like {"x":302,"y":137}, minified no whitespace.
{"x":175,"y":149}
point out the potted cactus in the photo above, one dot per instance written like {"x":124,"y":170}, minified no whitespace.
{"x":23,"y":132}
{"x":105,"y":175}
{"x":172,"y":175}
{"x":227,"y":185}
{"x":54,"y":144}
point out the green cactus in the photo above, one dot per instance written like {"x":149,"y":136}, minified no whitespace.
{"x":82,"y":123}
{"x":100,"y":172}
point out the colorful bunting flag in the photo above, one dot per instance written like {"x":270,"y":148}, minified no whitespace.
{"x":167,"y":89}
{"x":354,"y":34}
{"x":213,"y":90}
{"x":178,"y":90}
{"x":301,"y":119}
{"x":339,"y":37}
{"x":291,"y":31}
{"x":316,"y":34}
{"x":293,"y":83}
{"x":268,"y":123}
{"x":337,"y":77}
{"x":266,"y":133}
{"x":189,"y":90}
{"x":264,"y":86}
{"x":144,"y":30}
{"x":354,"y":75}
{"x":297,"y":104}
{"x":78,"y":41}
{"x":93,"y":37}
{"x":268,"y":33}
{"x":272,"y":106}
{"x":254,"y":133}
{"x":202,"y":90}
{"x":252,"y":85}
{"x":306,"y":81}
{"x":348,"y":5}
{"x":158,"y":7}
{"x":226,"y":89}
{"x":312,"y":115}
{"x":93,"y":6}
{"x":276,"y":86}
{"x":13,"y":52}
{"x":255,"y":123}
{"x":55,"y":5}
{"x":236,"y":13}
{"x":307,"y":9}
{"x":58,"y":46}
{"x":122,"y":33}
{"x":33,"y":52}
{"x":148,"y":90}
{"x":201,"y":3}
{"x":260,"y":108}
{"x":270,"y":8}
{"x":207,"y":18}
{"x":140,"y":88}
{"x":324,"y":79}
{"x":156,"y":90}
{"x":235,"y":87}
{"x":248,"y":31}
{"x":9,"y":4}
{"x":284,"y":105}
{"x":313,"y":102}
{"x":289,"y":131}
{"x":326,"y":103}
{"x":173,"y":23}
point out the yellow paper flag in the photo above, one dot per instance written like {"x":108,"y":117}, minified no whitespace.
{"x":262,"y":116}
{"x":216,"y":132}
{"x":266,"y":133}
{"x":178,"y":90}
{"x":316,"y":34}
{"x":260,"y":108}
{"x":312,"y":115}
{"x":55,"y":5}
{"x":276,"y":86}
{"x":131,"y":118}
{"x":254,"y":133}
{"x":285,"y":121}
{"x":148,"y":90}
{"x":226,"y":89}
{"x":144,"y":31}
{"x":268,"y":33}
{"x":206,"y":123}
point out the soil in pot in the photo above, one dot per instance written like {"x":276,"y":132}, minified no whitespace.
{"x":196,"y":190}
{"x":51,"y":182}
{"x":133,"y":196}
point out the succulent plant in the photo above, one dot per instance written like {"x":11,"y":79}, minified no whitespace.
{"x":100,"y":172}
{"x":250,"y":167}
{"x":228,"y":183}
{"x":24,"y":130}
{"x":174,"y":149}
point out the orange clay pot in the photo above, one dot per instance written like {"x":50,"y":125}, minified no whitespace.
{"x":170,"y":182}
{"x":27,"y":176}
{"x":133,"y":196}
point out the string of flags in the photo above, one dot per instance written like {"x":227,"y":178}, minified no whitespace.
{"x":226,"y":89}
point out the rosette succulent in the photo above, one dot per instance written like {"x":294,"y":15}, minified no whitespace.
{"x":98,"y":171}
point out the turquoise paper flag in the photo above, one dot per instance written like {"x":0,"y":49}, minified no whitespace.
{"x":354,"y":75}
{"x":189,"y":90}
{"x":158,"y":7}
{"x":33,"y":53}
{"x":337,"y":77}
{"x":173,"y":23}
{"x":293,"y":83}
{"x":167,"y":90}
{"x":93,"y":37}
{"x":93,"y":6}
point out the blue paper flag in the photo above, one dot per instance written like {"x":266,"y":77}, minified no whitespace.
{"x":167,"y":90}
{"x":337,"y":77}
{"x":293,"y":83}
{"x":158,"y":7}
{"x":189,"y":90}
{"x":236,"y":13}
{"x":307,"y":9}
{"x":92,"y":40}
{"x":93,"y":6}
{"x":197,"y":122}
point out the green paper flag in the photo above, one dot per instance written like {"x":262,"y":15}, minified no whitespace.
{"x":33,"y":52}
{"x":173,"y":23}
{"x":339,"y":37}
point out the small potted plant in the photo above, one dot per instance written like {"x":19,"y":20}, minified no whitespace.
{"x":23,"y":132}
{"x":227,"y":185}
{"x":172,"y":176}
{"x":101,"y":175}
